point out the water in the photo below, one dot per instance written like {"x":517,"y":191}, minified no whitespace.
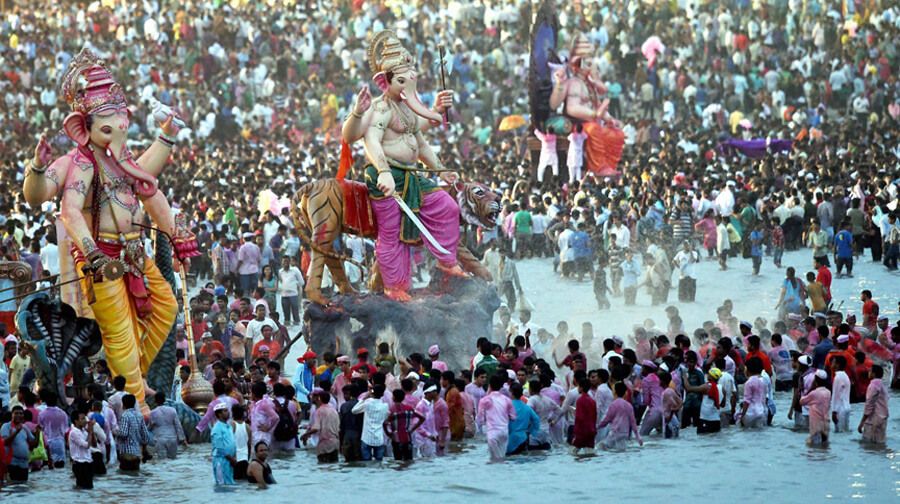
{"x":771,"y":464}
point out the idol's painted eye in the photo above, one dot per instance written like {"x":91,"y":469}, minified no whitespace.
{"x":479,"y":191}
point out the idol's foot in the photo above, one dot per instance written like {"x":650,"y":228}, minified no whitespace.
{"x":454,"y":270}
{"x":397,"y":295}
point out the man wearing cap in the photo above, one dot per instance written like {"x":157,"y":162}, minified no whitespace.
{"x":803,"y":382}
{"x":818,"y":400}
{"x":434,"y":353}
{"x":210,"y":345}
{"x":427,"y":436}
{"x":362,"y":356}
{"x":249,"y":258}
{"x":341,"y":378}
{"x":223,"y":447}
{"x":266,"y":344}
{"x":327,"y":425}
{"x":304,"y":379}
{"x":652,"y":392}
{"x":840,"y":394}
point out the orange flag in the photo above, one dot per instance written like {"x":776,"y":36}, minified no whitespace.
{"x":346,"y":160}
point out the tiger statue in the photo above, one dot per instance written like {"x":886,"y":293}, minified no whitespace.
{"x":328,"y":207}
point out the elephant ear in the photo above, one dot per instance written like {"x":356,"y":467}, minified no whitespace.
{"x":381,"y":81}
{"x":75,"y":126}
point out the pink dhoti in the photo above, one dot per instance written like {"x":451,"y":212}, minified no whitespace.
{"x":440,"y":215}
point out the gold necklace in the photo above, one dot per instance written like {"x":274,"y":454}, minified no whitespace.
{"x":408,"y":135}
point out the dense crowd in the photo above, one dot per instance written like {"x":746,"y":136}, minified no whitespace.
{"x":264,"y":87}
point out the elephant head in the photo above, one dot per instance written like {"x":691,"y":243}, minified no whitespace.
{"x":396,"y":74}
{"x":100,"y":117}
{"x":401,"y":87}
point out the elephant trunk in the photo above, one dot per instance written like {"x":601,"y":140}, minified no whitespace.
{"x":415,"y":104}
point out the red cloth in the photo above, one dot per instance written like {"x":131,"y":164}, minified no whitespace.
{"x":824,"y":278}
{"x":358,"y":215}
{"x":585,"y":430}
{"x":359,"y":365}
{"x":603,"y":149}
{"x":713,"y":393}
{"x":767,"y":364}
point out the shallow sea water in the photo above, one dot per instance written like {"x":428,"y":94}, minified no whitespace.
{"x":767,"y":465}
{"x":770,"y":465}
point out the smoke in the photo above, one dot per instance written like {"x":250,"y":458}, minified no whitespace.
{"x":451,"y":312}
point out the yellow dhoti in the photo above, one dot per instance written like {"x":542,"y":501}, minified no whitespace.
{"x":130,"y":342}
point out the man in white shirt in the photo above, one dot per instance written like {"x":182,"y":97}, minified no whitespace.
{"x":375,"y":412}
{"x":81,"y":438}
{"x":686,"y":259}
{"x":566,"y":254}
{"x":290,"y":285}
{"x":254,"y":327}
{"x":840,"y":392}
{"x":623,"y":234}
{"x":50,"y":256}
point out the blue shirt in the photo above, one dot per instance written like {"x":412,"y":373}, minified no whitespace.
{"x":20,"y":448}
{"x":843,"y":242}
{"x":755,"y":243}
{"x":580,"y":243}
{"x":526,"y":423}
{"x":820,"y":352}
{"x":222,"y":440}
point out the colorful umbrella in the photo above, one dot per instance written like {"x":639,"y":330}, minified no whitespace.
{"x":512,"y":122}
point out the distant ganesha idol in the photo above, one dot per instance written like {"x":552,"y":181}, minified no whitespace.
{"x":581,"y":95}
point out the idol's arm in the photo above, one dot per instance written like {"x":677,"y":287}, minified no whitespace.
{"x":74,"y":195}
{"x":41,"y":185}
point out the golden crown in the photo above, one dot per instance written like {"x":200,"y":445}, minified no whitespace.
{"x":386,"y":54}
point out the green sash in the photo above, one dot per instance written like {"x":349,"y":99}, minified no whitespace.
{"x":411,"y":187}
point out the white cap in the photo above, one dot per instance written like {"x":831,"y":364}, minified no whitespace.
{"x":220,"y":406}
{"x":821,"y":374}
{"x":805,"y":360}
{"x":412,"y":376}
{"x":432,"y":388}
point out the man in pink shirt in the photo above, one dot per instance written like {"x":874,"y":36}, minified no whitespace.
{"x":434,"y":353}
{"x":873,"y":425}
{"x":426,"y":436}
{"x":263,"y":417}
{"x":819,"y":402}
{"x":495,"y":411}
{"x":441,"y":423}
{"x":620,"y":419}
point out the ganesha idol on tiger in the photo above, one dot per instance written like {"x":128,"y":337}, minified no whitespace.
{"x":398,"y":204}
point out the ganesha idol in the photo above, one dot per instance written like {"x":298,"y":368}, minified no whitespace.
{"x":103,"y":192}
{"x":392,"y":128}
{"x":581,"y":91}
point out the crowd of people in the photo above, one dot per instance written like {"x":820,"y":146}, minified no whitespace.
{"x":264,"y":87}
{"x":515,"y":395}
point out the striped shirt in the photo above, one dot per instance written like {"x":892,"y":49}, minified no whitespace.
{"x":399,"y":422}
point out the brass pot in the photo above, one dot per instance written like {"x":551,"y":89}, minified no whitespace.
{"x":196,"y":392}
